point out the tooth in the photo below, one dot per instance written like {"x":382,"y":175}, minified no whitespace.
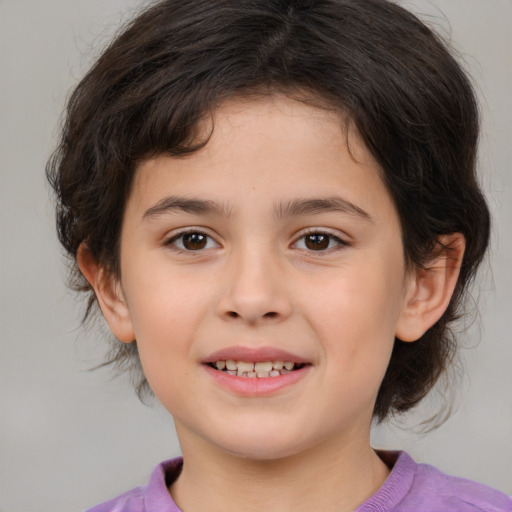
{"x":289,"y":365}
{"x":262,"y":375}
{"x":251,"y":375}
{"x":240,"y":373}
{"x":245,"y":367}
{"x":284,"y":370}
{"x":220,"y":365}
{"x":231,"y":372}
{"x":231,"y":365}
{"x":265,"y":366}
{"x":275,"y":373}
{"x":278,"y":365}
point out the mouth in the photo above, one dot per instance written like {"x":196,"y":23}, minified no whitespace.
{"x":255,"y":370}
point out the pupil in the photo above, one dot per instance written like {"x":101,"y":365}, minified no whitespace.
{"x":194,"y":241}
{"x":317,"y":242}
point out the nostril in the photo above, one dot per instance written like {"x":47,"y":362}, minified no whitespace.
{"x":270,"y":314}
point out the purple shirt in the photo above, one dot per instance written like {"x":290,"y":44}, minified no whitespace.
{"x":410,"y":487}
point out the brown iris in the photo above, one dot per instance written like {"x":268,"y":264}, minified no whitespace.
{"x":194,"y":241}
{"x":317,"y":242}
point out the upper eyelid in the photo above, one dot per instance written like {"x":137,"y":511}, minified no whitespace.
{"x":328,"y":231}
{"x":323,"y":231}
{"x":176,"y":233}
{"x":339,"y":244}
{"x":169,"y":239}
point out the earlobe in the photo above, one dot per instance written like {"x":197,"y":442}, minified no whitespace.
{"x":108,"y":293}
{"x":429,"y":289}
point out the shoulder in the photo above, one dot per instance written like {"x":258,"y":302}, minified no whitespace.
{"x":423,"y":488}
{"x":132,"y":501}
{"x":455,"y":494}
{"x":153,"y":497}
{"x":432,"y":490}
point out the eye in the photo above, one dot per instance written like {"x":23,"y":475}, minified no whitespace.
{"x":192,"y":241}
{"x":318,"y":241}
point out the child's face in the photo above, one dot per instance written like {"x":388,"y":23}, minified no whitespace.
{"x":293,"y":245}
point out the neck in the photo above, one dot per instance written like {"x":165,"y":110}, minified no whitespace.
{"x":329,"y":477}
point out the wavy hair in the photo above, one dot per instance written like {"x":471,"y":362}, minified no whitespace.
{"x":377,"y":64}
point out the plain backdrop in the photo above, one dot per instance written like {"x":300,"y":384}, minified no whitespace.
{"x":70,"y":438}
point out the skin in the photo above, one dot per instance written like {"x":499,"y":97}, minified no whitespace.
{"x":259,"y":281}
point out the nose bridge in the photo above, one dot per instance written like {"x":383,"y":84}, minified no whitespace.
{"x":255,"y":290}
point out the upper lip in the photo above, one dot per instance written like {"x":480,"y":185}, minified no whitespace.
{"x":253,"y":355}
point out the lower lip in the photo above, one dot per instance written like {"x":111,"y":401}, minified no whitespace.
{"x":247,"y":386}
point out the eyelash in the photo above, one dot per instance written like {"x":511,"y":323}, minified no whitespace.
{"x":172,"y":241}
{"x":330,"y":237}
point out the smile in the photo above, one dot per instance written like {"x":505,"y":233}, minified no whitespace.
{"x":258,"y":370}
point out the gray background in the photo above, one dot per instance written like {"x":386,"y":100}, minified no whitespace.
{"x":70,"y":438}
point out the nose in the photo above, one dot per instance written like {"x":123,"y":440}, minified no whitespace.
{"x":254,"y":289}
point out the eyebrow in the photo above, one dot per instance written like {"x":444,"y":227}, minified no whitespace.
{"x":188,"y":205}
{"x":322,"y":205}
{"x":293,"y":208}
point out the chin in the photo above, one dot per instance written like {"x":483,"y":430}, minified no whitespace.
{"x":264,"y":445}
{"x":265,"y":453}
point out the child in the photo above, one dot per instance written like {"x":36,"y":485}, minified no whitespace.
{"x":274,"y":204}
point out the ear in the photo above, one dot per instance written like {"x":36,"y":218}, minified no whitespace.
{"x":108,"y":293}
{"x":430,"y":289}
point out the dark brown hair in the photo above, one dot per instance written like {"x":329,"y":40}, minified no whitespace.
{"x":370,"y":60}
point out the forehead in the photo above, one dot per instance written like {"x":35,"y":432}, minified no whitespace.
{"x":273,"y":147}
{"x":280,"y":125}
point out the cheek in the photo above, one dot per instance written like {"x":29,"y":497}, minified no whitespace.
{"x":355,"y":317}
{"x":165,"y":314}
{"x":356,"y":302}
